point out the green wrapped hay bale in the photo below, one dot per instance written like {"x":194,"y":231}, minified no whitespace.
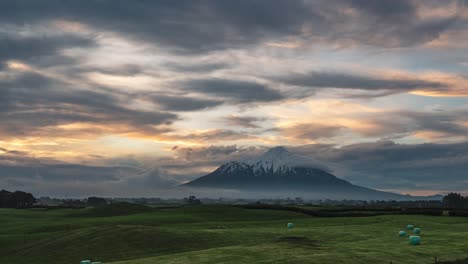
{"x":410,"y":227}
{"x":290,"y":225}
{"x":415,"y":240}
{"x":85,"y":262}
{"x":96,"y":263}
{"x":417,"y":230}
{"x":402,"y":233}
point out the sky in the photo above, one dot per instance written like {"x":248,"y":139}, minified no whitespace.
{"x":128,"y":98}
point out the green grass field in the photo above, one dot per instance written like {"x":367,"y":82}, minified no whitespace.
{"x":221,"y":234}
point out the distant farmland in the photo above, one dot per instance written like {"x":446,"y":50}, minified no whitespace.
{"x":135,"y":234}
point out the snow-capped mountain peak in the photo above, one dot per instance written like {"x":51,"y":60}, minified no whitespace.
{"x":232,"y":166}
{"x":275,"y":161}
{"x":281,"y":171}
{"x":281,"y":160}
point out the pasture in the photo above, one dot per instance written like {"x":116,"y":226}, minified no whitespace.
{"x":134,"y":234}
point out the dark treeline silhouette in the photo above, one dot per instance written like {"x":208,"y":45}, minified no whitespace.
{"x":96,"y":201}
{"x":16,"y":199}
{"x":455,"y":201}
{"x":192,"y":200}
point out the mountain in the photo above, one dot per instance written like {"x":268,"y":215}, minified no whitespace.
{"x":279,"y":172}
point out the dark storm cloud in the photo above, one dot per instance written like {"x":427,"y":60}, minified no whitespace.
{"x":31,"y":102}
{"x":389,"y":165}
{"x":182,"y":25}
{"x":184,"y":103}
{"x":233,"y":90}
{"x":197,"y":68}
{"x":397,"y":23}
{"x":243,"y":121}
{"x":321,"y":80}
{"x":39,"y":49}
{"x":386,"y":9}
{"x":207,"y":25}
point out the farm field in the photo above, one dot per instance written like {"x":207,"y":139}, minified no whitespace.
{"x":134,"y":234}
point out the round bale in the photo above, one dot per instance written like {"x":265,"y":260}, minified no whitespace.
{"x":415,"y":240}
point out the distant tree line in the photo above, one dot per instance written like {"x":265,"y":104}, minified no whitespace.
{"x":96,"y":201}
{"x":192,"y":200}
{"x":455,"y":201}
{"x":16,"y":199}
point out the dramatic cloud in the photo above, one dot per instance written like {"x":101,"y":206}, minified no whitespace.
{"x":442,"y":123}
{"x":310,"y":131}
{"x":31,"y":102}
{"x":39,"y":49}
{"x":211,"y":135}
{"x":146,"y":94}
{"x":122,"y":70}
{"x":397,"y":23}
{"x":243,"y":121}
{"x":183,"y":103}
{"x":198,"y":68}
{"x":232,"y":90}
{"x":321,"y":80}
{"x":202,"y":26}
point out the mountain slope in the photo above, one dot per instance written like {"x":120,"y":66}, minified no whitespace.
{"x":279,"y":172}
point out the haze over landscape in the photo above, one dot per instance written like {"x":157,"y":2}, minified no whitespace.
{"x":137,"y":98}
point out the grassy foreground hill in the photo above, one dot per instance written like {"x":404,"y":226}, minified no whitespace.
{"x":133,"y":234}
